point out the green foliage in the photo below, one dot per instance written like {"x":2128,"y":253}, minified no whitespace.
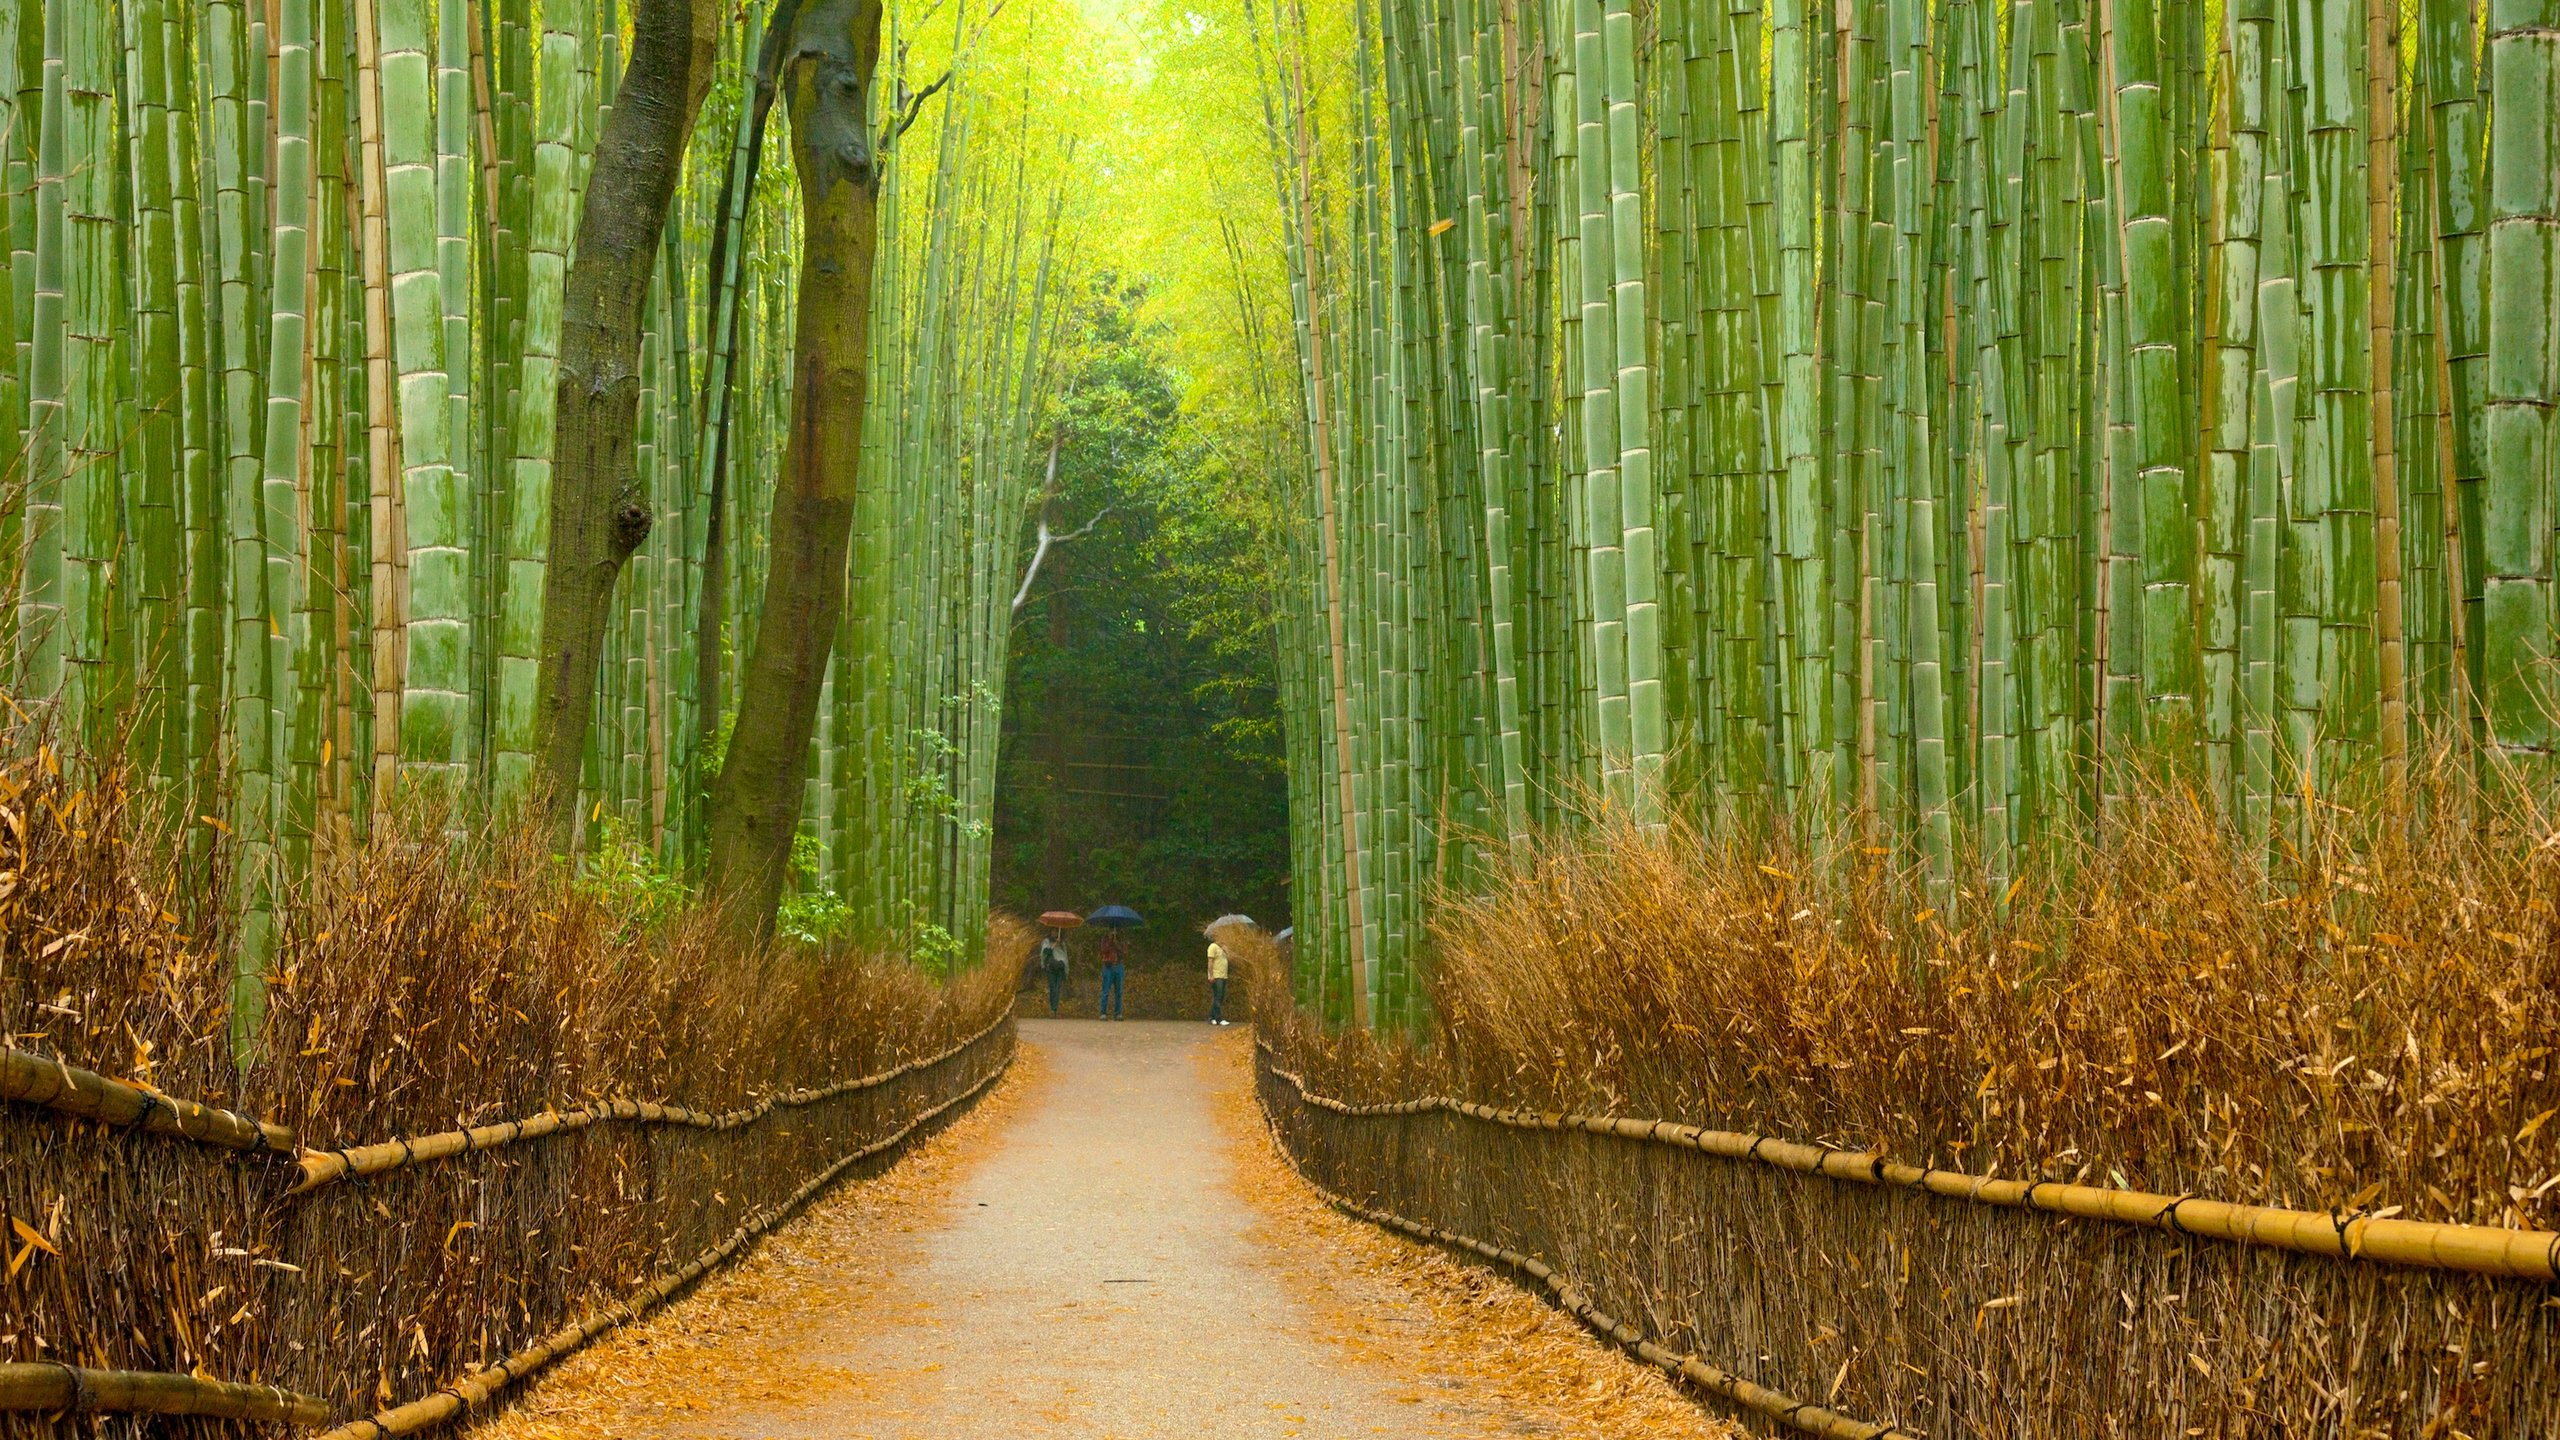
{"x":624,"y":876}
{"x":810,"y":912}
{"x":936,"y":951}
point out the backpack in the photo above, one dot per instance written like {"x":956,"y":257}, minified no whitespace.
{"x":1053,"y":956}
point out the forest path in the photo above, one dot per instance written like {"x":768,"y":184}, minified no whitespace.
{"x":1106,"y":1249}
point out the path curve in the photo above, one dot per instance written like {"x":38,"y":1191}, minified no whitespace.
{"x":1099,"y":1257}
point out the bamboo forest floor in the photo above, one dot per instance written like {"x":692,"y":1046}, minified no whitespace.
{"x":1106,"y":1247}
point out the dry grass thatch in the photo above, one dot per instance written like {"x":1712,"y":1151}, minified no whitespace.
{"x":2363,"y":1023}
{"x":427,"y":980}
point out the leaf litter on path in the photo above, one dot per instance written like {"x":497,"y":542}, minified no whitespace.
{"x":741,"y":1342}
{"x":1445,"y":1324}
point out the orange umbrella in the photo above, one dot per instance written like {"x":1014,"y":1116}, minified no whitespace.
{"x":1061,"y":919}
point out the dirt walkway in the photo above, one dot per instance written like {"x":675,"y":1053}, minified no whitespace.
{"x":1105,"y":1250}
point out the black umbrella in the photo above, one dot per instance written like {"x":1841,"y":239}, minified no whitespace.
{"x":1116,"y":917}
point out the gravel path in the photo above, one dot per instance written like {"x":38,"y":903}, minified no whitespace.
{"x":1105,"y":1248}
{"x":1094,"y":1274}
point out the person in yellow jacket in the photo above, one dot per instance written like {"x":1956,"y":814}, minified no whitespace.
{"x":1217,"y":983}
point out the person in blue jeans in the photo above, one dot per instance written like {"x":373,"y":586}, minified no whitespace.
{"x":1217,"y":983}
{"x":1115,"y":972}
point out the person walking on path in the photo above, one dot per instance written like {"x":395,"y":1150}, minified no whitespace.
{"x":1217,"y":983}
{"x":1053,"y":964}
{"x":1115,"y":973}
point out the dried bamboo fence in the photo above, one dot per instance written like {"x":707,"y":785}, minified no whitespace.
{"x":177,"y":1267}
{"x":857,"y":1120}
{"x":211,"y":1265}
{"x":1839,"y":1284}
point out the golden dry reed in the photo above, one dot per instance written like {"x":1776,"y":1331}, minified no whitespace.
{"x":2362,"y":1021}
{"x":438,"y":977}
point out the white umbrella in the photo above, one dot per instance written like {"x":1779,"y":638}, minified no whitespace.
{"x":1223,"y":921}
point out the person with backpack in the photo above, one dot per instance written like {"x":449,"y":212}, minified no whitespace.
{"x":1053,"y":963}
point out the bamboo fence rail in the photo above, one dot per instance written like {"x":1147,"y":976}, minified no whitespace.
{"x":434,"y":982}
{"x":1882,"y":1302}
{"x":2426,"y":1245}
{"x":325,"y":1167}
{"x":74,"y":1390}
{"x":478,"y":1387}
{"x":42,"y":1080}
{"x":1796,"y":1414}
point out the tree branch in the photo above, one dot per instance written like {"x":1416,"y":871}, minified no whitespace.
{"x":915,"y":108}
{"x":1051,"y":539}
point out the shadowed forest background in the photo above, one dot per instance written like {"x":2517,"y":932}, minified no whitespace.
{"x":1142,"y":760}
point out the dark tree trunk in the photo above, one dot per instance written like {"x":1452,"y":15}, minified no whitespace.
{"x":755,"y":802}
{"x":599,"y":513}
{"x":712,"y":616}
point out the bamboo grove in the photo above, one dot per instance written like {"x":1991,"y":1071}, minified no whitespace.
{"x":287,"y":317}
{"x":1901,"y":414}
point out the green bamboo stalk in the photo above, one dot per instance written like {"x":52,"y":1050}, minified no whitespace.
{"x":21,"y":115}
{"x":454,"y":221}
{"x":288,"y":455}
{"x":429,"y":530}
{"x":2519,"y":391}
{"x":567,"y":71}
{"x":39,"y":671}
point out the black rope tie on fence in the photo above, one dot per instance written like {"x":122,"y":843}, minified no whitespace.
{"x":2167,"y":1219}
{"x":79,"y":1387}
